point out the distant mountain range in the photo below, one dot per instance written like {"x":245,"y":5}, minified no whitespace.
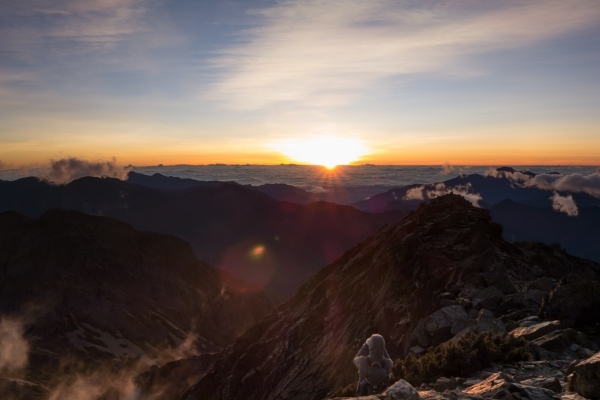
{"x":525,"y":212}
{"x":277,"y":245}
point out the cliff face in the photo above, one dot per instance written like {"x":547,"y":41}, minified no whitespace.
{"x":417,"y":283}
{"x":93,"y":289}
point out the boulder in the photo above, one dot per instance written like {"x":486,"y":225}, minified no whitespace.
{"x":585,"y":380}
{"x":401,"y":390}
{"x":558,"y":340}
{"x":489,"y":298}
{"x":503,"y":386}
{"x":485,"y":322}
{"x":537,"y":330}
{"x":443,"y":384}
{"x":492,"y":386}
{"x":545,"y":284}
{"x":546,"y":383}
{"x":577,"y":302}
{"x":440,"y":326}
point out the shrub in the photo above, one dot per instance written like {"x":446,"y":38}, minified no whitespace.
{"x":461,"y":358}
{"x":348,"y":391}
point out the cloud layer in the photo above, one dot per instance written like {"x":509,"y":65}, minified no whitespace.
{"x":14,"y":349}
{"x":564,"y":204}
{"x":318,"y":53}
{"x":427,"y":192}
{"x":68,"y":169}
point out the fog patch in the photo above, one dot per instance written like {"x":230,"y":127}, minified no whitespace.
{"x":100,"y":384}
{"x":66,"y":170}
{"x":439,"y":189}
{"x":564,"y":204}
{"x":515,"y":176}
{"x":447,"y":168}
{"x":313,"y":189}
{"x":14,"y":348}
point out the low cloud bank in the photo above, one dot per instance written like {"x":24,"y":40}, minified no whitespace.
{"x":14,"y":348}
{"x":564,"y":204}
{"x":574,"y":183}
{"x":439,"y":189}
{"x":516,"y":176}
{"x":571,"y":183}
{"x":66,"y":170}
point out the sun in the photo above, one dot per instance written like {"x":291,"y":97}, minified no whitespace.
{"x":328,"y":151}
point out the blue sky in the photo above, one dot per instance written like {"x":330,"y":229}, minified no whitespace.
{"x":416,"y":82}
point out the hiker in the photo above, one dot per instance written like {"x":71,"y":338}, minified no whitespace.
{"x":374,"y":366}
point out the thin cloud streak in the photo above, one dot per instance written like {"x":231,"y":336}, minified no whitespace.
{"x":312,"y":53}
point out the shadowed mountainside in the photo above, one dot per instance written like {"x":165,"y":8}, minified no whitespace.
{"x":396,"y":283}
{"x":93,"y":290}
{"x":276,"y":245}
{"x":578,"y":235}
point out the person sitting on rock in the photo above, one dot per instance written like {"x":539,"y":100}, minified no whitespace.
{"x":374,"y":366}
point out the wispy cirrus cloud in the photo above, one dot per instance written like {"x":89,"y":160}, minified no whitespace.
{"x":314,"y":53}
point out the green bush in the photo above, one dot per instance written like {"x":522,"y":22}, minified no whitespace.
{"x":461,"y":358}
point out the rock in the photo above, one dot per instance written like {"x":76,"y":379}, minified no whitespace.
{"x":546,"y":383}
{"x":572,"y":396}
{"x":443,"y":384}
{"x":417,"y":349}
{"x":491,"y":386}
{"x":489,"y":298}
{"x":526,"y":324}
{"x":532,"y":392}
{"x":569,"y":369}
{"x":446,"y":302}
{"x":536,"y":331}
{"x":584,"y":353}
{"x":557,"y":340}
{"x":440,"y":326}
{"x":578,"y":302}
{"x":585,"y":380}
{"x":485,"y":322}
{"x":544,"y":284}
{"x":471,"y":382}
{"x":401,"y":390}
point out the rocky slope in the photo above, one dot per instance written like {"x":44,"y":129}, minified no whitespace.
{"x":224,"y":224}
{"x":92,"y":292}
{"x":443,"y":270}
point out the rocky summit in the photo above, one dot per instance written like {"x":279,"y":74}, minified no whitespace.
{"x":442,"y":273}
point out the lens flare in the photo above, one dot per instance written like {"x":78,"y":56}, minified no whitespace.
{"x":328,"y":151}
{"x":257,"y":251}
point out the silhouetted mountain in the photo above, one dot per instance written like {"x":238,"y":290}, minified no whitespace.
{"x":492,"y":190}
{"x":276,"y":245}
{"x":578,"y":235}
{"x":279,"y":191}
{"x":441,"y":270}
{"x":159,"y":181}
{"x":92,"y":291}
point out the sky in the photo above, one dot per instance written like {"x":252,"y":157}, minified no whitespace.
{"x":511,"y":82}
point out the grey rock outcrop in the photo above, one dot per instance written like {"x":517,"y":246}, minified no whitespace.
{"x":577,"y":302}
{"x":536,"y":331}
{"x":440,"y":326}
{"x":585,"y":380}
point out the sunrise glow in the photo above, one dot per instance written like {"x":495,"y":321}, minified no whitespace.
{"x":328,"y":151}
